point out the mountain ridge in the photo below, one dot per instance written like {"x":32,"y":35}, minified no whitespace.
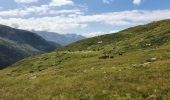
{"x":17,"y":44}
{"x":63,"y":39}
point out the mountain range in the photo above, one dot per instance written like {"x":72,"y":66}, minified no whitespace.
{"x":133,"y":64}
{"x":17,"y":44}
{"x":63,"y":39}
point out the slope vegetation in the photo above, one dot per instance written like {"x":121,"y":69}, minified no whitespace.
{"x":133,"y":64}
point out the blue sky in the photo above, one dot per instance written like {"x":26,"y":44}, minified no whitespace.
{"x":84,"y":17}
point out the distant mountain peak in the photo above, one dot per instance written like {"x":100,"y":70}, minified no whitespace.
{"x":63,"y":39}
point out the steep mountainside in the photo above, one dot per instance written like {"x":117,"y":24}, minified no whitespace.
{"x":60,"y":38}
{"x":16,"y":44}
{"x":133,"y":64}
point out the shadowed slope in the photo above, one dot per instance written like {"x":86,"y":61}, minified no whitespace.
{"x":17,"y":44}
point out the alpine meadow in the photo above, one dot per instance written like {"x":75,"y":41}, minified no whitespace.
{"x":68,"y":50}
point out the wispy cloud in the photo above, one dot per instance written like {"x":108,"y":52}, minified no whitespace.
{"x":61,"y":2}
{"x":137,"y":2}
{"x":21,"y":12}
{"x":93,"y":34}
{"x":26,"y":1}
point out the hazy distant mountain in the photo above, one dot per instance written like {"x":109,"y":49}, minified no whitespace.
{"x":60,"y":38}
{"x":17,"y":44}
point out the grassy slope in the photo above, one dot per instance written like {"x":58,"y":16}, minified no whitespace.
{"x":81,"y":75}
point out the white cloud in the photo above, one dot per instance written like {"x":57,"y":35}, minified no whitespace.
{"x":93,"y":34}
{"x":21,"y":12}
{"x":107,"y":1}
{"x":38,"y":10}
{"x":63,"y":23}
{"x":124,"y":18}
{"x":26,"y":1}
{"x":60,"y":2}
{"x":68,"y":11}
{"x":53,"y":24}
{"x":137,"y":2}
{"x":41,"y":10}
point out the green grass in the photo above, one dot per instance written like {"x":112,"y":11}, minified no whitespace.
{"x":138,"y":73}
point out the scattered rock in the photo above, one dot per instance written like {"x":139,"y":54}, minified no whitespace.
{"x":148,"y":44}
{"x":153,"y":59}
{"x":146,"y":63}
{"x":100,"y":42}
{"x":33,"y":77}
{"x":141,"y":65}
{"x":151,"y":97}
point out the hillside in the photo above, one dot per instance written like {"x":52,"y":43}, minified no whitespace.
{"x":133,"y":64}
{"x":155,"y":34}
{"x":63,"y":39}
{"x":17,"y":44}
